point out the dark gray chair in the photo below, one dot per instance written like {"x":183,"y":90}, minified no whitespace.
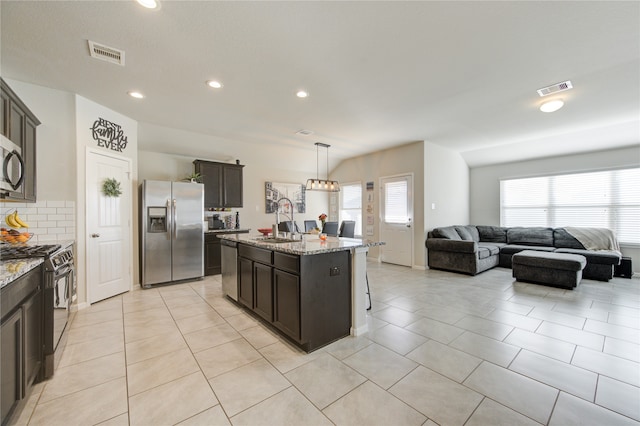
{"x":287,"y":226}
{"x":347,"y":229}
{"x":330,"y":228}
{"x":310,"y":225}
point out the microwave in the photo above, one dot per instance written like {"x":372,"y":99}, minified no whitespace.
{"x":12,"y":173}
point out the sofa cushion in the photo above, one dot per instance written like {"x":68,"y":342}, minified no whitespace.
{"x":448,"y":232}
{"x":515,"y":248}
{"x":464,"y":233}
{"x":563,"y":239}
{"x":601,"y":257}
{"x":531,"y":236}
{"x":493,"y":248}
{"x":494,"y":234}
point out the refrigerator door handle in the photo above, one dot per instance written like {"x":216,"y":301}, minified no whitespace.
{"x":169,"y":219}
{"x":175,"y":220}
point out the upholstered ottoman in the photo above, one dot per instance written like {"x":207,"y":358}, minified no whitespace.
{"x":549,"y":268}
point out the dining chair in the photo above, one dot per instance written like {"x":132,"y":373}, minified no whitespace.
{"x":330,"y":228}
{"x":347,"y":229}
{"x":310,"y":225}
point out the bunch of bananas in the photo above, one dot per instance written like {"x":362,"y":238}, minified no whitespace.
{"x":14,"y":266}
{"x":14,"y":221}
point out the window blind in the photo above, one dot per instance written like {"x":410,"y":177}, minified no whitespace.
{"x":395,"y":202}
{"x":604,"y":199}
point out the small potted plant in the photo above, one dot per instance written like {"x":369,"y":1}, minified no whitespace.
{"x":194,"y":177}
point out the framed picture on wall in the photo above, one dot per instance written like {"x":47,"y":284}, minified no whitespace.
{"x":274,"y":191}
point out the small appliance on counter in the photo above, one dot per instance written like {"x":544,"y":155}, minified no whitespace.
{"x":215,"y":222}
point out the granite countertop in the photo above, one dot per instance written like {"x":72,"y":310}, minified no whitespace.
{"x":227,"y":231}
{"x":310,"y":244}
{"x":11,"y":270}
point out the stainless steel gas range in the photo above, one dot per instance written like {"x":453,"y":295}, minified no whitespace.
{"x":59,"y":291}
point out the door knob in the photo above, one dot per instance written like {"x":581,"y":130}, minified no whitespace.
{"x":95,"y":235}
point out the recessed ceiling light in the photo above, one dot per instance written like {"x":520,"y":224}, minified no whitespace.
{"x":215,"y":84}
{"x":302,"y":94}
{"x":149,"y":4}
{"x":551,"y":106}
{"x":136,"y":95}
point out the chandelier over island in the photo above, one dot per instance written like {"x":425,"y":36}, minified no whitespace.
{"x":318,"y":184}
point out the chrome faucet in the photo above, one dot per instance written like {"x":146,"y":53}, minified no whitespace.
{"x":293,"y":223}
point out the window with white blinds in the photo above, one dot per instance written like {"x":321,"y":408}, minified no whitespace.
{"x":395,"y":202}
{"x":605,"y":199}
{"x":351,"y":204}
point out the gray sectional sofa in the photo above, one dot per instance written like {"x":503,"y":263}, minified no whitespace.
{"x":473,"y":249}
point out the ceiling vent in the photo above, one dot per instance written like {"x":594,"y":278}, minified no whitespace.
{"x":304,"y":132}
{"x":555,"y":88}
{"x":106,"y":53}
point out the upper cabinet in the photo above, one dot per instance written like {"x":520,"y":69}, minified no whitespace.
{"x":222,"y":183}
{"x":18,"y":126}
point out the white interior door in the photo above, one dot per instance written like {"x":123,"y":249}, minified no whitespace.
{"x":396,"y":222}
{"x":108,"y":228}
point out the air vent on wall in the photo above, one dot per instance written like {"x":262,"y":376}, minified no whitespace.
{"x":106,"y":53}
{"x":555,"y":88}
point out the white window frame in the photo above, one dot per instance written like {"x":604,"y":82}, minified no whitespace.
{"x":356,"y":212}
{"x":604,"y":198}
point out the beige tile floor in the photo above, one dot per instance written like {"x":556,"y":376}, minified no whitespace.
{"x":443,"y":348}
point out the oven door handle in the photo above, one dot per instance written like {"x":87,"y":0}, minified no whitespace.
{"x":63,"y":272}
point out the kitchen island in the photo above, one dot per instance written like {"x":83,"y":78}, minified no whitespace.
{"x":311,"y":291}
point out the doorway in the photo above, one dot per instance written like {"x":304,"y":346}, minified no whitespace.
{"x":108,"y":226}
{"x":396,"y":219}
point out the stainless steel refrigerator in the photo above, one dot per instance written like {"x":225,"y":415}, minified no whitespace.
{"x":172,"y":234}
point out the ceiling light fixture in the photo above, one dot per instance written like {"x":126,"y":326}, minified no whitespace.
{"x":136,"y":95}
{"x":552,"y":106}
{"x":215,"y":84}
{"x":318,"y":184}
{"x":149,"y":4}
{"x":302,"y":94}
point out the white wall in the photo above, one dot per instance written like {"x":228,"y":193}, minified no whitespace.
{"x":371,"y":167}
{"x":446,"y":183}
{"x":485,"y":181}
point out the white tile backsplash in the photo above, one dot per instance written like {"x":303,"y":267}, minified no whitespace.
{"x":48,"y":220}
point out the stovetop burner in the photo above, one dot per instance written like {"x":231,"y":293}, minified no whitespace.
{"x":8,"y":252}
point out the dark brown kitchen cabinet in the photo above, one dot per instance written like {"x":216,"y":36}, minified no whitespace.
{"x":263,"y":290}
{"x":213,"y":250}
{"x":245,"y":282}
{"x":306,"y":298}
{"x":21,"y":334}
{"x":286,"y":303}
{"x":11,"y":360}
{"x":222,"y":183}
{"x":19,"y":126}
{"x":212,"y":255}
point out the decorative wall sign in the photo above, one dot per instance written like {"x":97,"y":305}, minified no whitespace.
{"x":108,"y":135}
{"x":274,"y":191}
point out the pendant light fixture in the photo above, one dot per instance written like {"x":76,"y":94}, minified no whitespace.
{"x":318,"y":184}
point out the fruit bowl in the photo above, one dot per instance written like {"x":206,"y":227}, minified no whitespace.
{"x":14,"y":237}
{"x":264,"y":231}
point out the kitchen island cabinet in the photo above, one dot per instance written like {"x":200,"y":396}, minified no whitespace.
{"x":309,"y":291}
